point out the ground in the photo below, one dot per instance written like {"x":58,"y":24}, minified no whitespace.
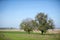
{"x":21,"y":35}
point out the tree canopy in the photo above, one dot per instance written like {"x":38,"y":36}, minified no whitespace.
{"x":27,"y":25}
{"x":44,"y":23}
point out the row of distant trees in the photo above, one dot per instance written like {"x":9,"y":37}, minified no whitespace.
{"x":41,"y":22}
{"x":7,"y":28}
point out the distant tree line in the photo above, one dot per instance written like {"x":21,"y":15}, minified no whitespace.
{"x":8,"y":28}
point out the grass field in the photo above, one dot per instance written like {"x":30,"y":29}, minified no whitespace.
{"x":15,"y":35}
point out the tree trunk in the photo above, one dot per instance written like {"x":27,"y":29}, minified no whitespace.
{"x":42,"y":32}
{"x":28,"y":31}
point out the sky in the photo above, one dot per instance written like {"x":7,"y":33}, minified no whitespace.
{"x":12,"y":12}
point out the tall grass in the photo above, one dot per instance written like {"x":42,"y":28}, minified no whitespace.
{"x":2,"y":36}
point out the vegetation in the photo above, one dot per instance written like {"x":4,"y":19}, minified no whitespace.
{"x":44,"y":23}
{"x":15,"y":35}
{"x":27,"y":25}
{"x":41,"y":22}
{"x":2,"y":36}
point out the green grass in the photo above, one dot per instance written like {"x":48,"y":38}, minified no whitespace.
{"x":25,"y":36}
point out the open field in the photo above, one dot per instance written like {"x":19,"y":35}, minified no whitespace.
{"x":18,"y":35}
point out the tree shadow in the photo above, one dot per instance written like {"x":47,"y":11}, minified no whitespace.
{"x":45,"y":34}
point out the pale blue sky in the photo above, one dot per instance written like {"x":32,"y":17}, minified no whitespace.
{"x":12,"y":12}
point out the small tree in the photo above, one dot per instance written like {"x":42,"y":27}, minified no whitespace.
{"x":43,"y":23}
{"x":27,"y":25}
